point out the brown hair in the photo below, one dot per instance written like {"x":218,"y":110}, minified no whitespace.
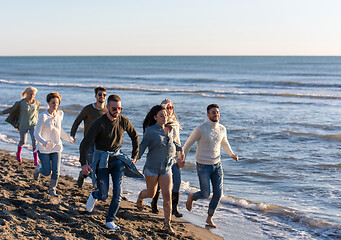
{"x":212,"y":106}
{"x":102,"y":89}
{"x":53,"y":95}
{"x":114,"y":98}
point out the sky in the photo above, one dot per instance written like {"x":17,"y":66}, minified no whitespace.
{"x":176,"y":27}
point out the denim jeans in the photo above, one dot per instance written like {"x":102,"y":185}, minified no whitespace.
{"x":176,"y":177}
{"x":116,"y":170}
{"x":90,"y":154}
{"x":50,"y":162}
{"x":207,"y":173}
{"x":23,"y":137}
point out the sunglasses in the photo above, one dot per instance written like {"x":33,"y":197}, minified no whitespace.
{"x":170,"y":107}
{"x":116,"y":108}
{"x":102,"y":94}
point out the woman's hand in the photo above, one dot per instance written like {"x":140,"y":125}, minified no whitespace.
{"x":181,"y":159}
{"x":48,"y":143}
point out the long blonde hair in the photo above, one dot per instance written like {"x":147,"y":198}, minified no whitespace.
{"x":27,"y":90}
{"x":174,"y":117}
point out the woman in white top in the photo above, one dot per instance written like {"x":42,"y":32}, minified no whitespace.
{"x":48,"y":133}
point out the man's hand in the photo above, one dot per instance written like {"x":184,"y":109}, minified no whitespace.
{"x":235,"y":157}
{"x":135,"y":160}
{"x":86,"y":169}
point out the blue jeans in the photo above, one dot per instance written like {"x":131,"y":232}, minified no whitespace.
{"x":90,"y":154}
{"x":23,"y":137}
{"x":207,"y":173}
{"x":50,"y":162}
{"x":176,"y":178}
{"x":116,"y":170}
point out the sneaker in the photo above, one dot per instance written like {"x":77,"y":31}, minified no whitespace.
{"x":36,"y":172}
{"x":111,"y":225}
{"x":90,"y":204}
{"x":80,"y":180}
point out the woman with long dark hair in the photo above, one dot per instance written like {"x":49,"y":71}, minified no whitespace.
{"x":173,"y":122}
{"x":157,"y":170}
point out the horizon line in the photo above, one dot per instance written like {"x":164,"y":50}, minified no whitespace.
{"x":242,"y":55}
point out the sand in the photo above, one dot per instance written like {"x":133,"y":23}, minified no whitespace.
{"x":27,"y":211}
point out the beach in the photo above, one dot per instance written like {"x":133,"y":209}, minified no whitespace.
{"x":28,"y":212}
{"x":281,"y":115}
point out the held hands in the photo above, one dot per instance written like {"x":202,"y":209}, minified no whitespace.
{"x":72,"y":139}
{"x":135,"y":160}
{"x":235,"y":157}
{"x":86,"y":169}
{"x":181,"y":159}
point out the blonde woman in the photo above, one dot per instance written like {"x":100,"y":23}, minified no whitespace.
{"x":23,"y":115}
{"x":48,"y":133}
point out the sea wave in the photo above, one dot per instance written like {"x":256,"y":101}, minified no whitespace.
{"x":317,"y":225}
{"x":294,"y":84}
{"x":6,"y":139}
{"x":318,"y":126}
{"x":203,"y":92}
{"x":314,"y":135}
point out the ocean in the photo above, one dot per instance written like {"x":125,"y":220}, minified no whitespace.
{"x":282,"y":115}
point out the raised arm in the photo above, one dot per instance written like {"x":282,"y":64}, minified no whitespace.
{"x":11,"y":109}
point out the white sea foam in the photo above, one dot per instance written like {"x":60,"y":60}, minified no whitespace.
{"x":4,"y":138}
{"x":152,"y":88}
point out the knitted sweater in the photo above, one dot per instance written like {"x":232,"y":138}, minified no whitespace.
{"x":210,"y":136}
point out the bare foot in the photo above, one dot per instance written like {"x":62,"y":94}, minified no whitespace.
{"x":139,"y":202}
{"x":168,"y":229}
{"x":189,"y":203}
{"x":210,"y":223}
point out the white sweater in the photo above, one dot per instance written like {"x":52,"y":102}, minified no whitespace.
{"x":49,"y":128}
{"x":210,"y":136}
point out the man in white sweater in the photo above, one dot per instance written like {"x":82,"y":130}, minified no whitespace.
{"x":210,"y":136}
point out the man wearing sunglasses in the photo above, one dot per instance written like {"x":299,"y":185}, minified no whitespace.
{"x":88,"y":114}
{"x":106,"y":134}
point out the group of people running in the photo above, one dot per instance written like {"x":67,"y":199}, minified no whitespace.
{"x":101,"y":154}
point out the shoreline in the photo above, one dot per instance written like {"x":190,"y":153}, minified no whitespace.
{"x":27,"y":211}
